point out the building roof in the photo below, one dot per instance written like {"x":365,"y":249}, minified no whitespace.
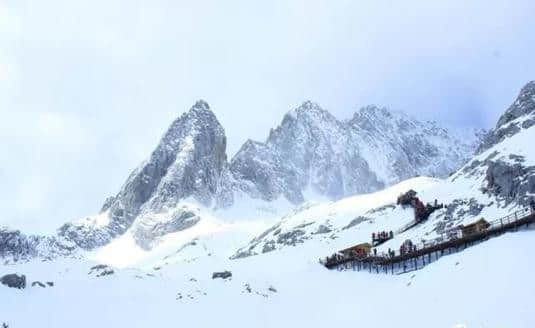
{"x":363,"y":245}
{"x":473,"y":224}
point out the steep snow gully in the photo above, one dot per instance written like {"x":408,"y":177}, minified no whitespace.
{"x":194,"y":239}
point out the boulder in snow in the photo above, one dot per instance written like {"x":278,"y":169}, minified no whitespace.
{"x":14,"y":281}
{"x":222,"y":275}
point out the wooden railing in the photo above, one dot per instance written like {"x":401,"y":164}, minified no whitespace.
{"x":450,"y":238}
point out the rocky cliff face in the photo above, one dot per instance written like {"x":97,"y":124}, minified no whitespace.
{"x":189,"y":162}
{"x":398,"y":146}
{"x":506,"y":159}
{"x":310,"y":150}
{"x":16,"y":246}
{"x":313,"y":151}
{"x":519,"y":116}
{"x":497,"y":181}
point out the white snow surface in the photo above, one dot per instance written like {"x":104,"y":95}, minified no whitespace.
{"x":277,"y":280}
{"x":489,"y":285}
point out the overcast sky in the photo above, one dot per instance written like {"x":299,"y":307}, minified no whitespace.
{"x":87,"y":88}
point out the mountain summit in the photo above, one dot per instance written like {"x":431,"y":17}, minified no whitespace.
{"x":312,"y":152}
{"x":310,"y":155}
{"x":189,"y":162}
{"x":519,"y":116}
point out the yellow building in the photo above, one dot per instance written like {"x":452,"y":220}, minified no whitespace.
{"x":476,"y":227}
{"x":363,"y":249}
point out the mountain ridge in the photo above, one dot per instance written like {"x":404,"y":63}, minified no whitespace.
{"x":311,"y":152}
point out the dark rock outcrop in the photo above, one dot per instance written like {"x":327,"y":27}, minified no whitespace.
{"x":222,"y":275}
{"x":16,"y":246}
{"x":523,"y":108}
{"x":190,"y":161}
{"x":14,"y":281}
{"x":101,"y":270}
{"x":148,"y":230}
{"x":38,"y":284}
{"x":510,"y":181}
{"x":313,"y":150}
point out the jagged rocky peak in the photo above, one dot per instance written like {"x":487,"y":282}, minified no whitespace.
{"x":372,"y":111}
{"x":382,"y":119}
{"x":190,"y":161}
{"x":505,"y":159}
{"x":309,"y":118}
{"x":520,"y":115}
{"x":523,"y":105}
{"x":309,"y":151}
{"x":308,"y":108}
{"x":260,"y":172}
{"x":313,"y":151}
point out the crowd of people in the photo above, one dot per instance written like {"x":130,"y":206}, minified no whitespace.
{"x":382,"y":235}
{"x":407,"y":247}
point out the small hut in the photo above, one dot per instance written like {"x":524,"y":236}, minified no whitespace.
{"x":476,"y":227}
{"x":361,"y":250}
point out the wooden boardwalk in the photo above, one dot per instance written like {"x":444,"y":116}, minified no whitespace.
{"x":426,"y":253}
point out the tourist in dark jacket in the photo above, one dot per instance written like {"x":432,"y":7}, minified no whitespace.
{"x":532,"y":204}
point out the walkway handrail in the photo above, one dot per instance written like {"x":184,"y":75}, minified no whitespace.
{"x":493,"y":226}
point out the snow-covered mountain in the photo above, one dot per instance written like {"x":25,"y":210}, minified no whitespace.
{"x":495,"y":182}
{"x":160,"y":267}
{"x":189,"y":162}
{"x":311,"y":153}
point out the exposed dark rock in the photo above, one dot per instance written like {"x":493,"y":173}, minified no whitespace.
{"x":190,"y":161}
{"x":38,"y":284}
{"x":322,"y":229}
{"x":291,"y":238}
{"x":241,"y":254}
{"x":14,"y":281}
{"x":510,"y":182}
{"x":523,"y":106}
{"x":381,"y":209}
{"x":101,"y":270}
{"x":269,"y":246}
{"x":356,"y":221}
{"x":107,"y":204}
{"x":311,"y":148}
{"x":16,"y":246}
{"x":474,"y":208}
{"x":222,"y":275}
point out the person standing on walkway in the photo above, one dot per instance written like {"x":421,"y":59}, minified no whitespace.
{"x":532,"y":204}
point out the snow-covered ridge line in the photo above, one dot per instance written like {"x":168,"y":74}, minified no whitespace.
{"x":311,"y":155}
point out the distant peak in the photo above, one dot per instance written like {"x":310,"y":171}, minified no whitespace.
{"x":200,"y":111}
{"x":308,"y":106}
{"x":375,"y":110}
{"x":523,"y":105}
{"x":371,"y":112}
{"x":529,"y":86}
{"x":307,"y":109}
{"x":201,"y":105}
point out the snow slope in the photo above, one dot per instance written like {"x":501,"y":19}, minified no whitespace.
{"x":467,"y":289}
{"x":160,"y":268}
